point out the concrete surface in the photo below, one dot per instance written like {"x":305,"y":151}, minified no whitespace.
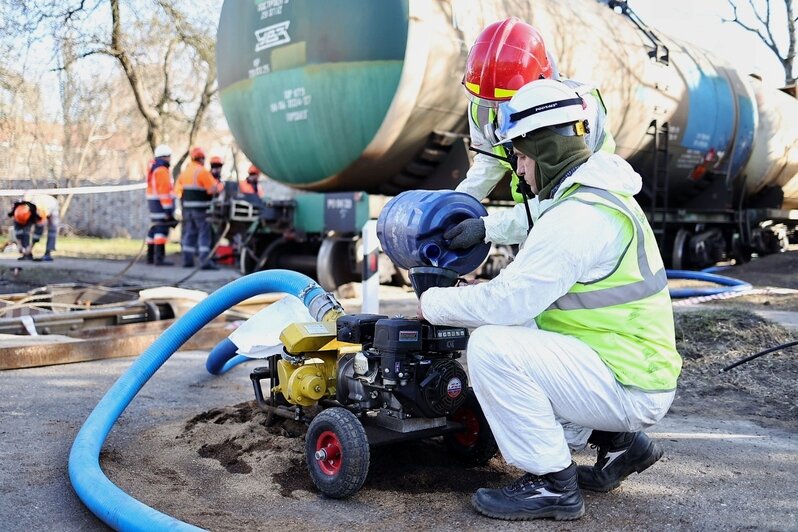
{"x":94,"y":271}
{"x":717,"y":474}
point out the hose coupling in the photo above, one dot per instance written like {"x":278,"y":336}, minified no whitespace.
{"x":324,"y":307}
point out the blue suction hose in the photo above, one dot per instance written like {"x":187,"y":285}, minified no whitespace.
{"x":727,"y":284}
{"x":109,"y":503}
{"x":223,"y":358}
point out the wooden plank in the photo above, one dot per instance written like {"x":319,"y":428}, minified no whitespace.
{"x":120,"y":341}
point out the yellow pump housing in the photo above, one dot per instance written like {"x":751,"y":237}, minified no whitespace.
{"x":312,"y":376}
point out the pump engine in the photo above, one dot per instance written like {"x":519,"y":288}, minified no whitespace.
{"x":406,"y":367}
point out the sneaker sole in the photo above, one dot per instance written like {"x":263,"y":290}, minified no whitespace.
{"x":559,"y":513}
{"x":653,"y":457}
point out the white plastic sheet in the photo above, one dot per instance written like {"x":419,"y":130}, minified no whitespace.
{"x":259,"y":336}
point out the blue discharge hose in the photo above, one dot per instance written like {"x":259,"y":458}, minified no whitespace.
{"x":109,"y":503}
{"x":727,"y":284}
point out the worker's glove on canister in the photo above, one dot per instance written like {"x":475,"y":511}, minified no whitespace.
{"x":466,"y":234}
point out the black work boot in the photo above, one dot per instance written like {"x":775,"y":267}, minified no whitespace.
{"x":160,"y":256}
{"x":530,"y":497}
{"x":619,"y":455}
{"x":150,"y":253}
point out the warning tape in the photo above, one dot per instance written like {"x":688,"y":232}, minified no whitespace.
{"x":11,"y":193}
{"x":728,"y":295}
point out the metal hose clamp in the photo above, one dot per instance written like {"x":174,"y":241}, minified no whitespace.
{"x":322,"y":304}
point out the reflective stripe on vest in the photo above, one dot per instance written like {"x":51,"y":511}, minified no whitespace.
{"x":156,"y":209}
{"x":194,"y":196}
{"x":626,"y":316}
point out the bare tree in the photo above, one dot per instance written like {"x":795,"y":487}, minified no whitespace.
{"x":766,"y":25}
{"x":150,"y":43}
{"x":154,"y":109}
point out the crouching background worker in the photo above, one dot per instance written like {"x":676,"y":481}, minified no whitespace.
{"x":31,"y":214}
{"x":574,"y":340}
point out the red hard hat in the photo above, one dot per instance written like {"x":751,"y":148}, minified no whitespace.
{"x":506,"y":56}
{"x":22,"y":213}
{"x":216,"y":160}
{"x":197,"y":153}
{"x":253,"y":170}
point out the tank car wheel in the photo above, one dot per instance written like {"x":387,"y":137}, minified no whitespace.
{"x":474,"y":445}
{"x":679,"y":256}
{"x":337,"y":452}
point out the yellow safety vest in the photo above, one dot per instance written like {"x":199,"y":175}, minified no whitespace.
{"x":626,"y":317}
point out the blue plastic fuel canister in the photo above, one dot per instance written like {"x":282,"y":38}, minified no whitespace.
{"x":411,"y":226}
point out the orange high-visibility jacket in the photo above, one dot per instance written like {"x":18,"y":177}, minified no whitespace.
{"x":159,"y":187}
{"x":196,"y":186}
{"x":245,"y":187}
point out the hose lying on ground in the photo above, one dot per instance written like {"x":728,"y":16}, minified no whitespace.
{"x":108,"y":502}
{"x":757,"y":355}
{"x":727,"y":284}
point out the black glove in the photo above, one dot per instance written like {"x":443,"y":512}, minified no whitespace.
{"x":466,"y":234}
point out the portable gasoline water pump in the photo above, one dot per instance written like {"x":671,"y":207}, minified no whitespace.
{"x":364,"y":380}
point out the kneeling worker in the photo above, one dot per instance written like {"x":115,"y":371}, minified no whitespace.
{"x":574,"y":340}
{"x":33,"y":211}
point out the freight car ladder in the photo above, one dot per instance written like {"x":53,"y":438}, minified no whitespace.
{"x":659,"y":182}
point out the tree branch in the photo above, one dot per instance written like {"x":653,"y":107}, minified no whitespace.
{"x":165,"y":94}
{"x":787,"y":59}
{"x":117,"y":50}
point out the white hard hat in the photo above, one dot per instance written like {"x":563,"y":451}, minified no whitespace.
{"x":162,"y":150}
{"x":539,"y":104}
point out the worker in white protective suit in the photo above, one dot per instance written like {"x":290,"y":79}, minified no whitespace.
{"x":574,"y":340}
{"x":506,"y":56}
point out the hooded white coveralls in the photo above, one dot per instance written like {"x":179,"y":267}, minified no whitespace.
{"x":542,"y":391}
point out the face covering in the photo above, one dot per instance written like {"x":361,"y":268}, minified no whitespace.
{"x":554,"y":156}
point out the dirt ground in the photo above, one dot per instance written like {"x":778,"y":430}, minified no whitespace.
{"x":730,"y":440}
{"x":228,"y":454}
{"x":762,"y":390}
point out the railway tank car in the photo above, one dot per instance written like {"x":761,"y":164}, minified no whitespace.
{"x":348,"y":95}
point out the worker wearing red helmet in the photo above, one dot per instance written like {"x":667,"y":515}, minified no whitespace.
{"x":216,"y":167}
{"x":249,"y":185}
{"x":34,"y":211}
{"x":573,"y":343}
{"x":506,"y":56}
{"x":195,"y":188}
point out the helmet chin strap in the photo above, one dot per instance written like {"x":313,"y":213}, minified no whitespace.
{"x":523,"y":187}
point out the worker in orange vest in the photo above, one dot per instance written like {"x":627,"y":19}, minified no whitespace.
{"x":216,"y":167}
{"x":34,"y":211}
{"x":161,"y":204}
{"x":249,"y":186}
{"x":195,"y":188}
